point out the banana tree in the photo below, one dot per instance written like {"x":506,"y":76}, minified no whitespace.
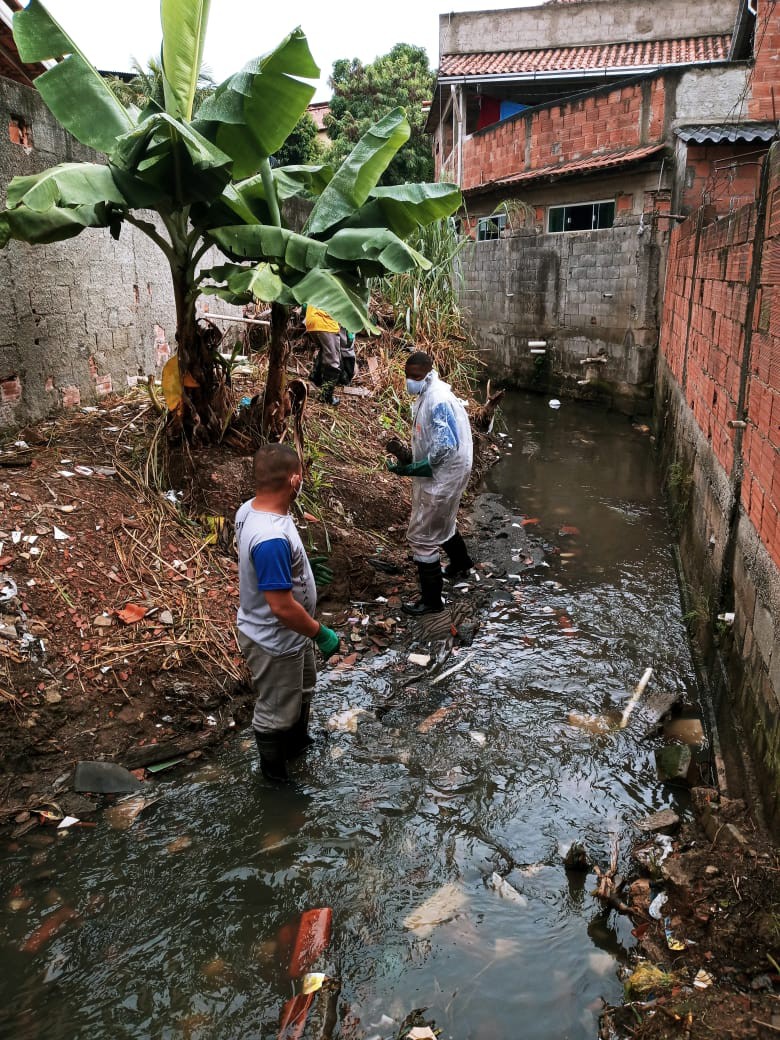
{"x":193,"y":179}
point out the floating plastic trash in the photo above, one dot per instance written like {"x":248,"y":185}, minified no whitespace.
{"x":555,"y":403}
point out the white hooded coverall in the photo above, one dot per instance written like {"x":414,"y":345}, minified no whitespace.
{"x":441,"y":433}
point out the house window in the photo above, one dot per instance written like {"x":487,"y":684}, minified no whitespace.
{"x":588,"y":216}
{"x":490,"y":227}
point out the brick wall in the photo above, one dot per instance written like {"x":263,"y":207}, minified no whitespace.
{"x":706,"y":307}
{"x":718,"y":401}
{"x":607,"y":120}
{"x":764,"y":101}
{"x":761,"y":484}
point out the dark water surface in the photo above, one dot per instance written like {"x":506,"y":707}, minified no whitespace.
{"x":184,"y":943}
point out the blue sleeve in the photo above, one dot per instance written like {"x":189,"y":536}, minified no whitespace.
{"x":273,"y":564}
{"x":444,"y":434}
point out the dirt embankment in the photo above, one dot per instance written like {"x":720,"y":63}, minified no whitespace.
{"x":706,"y":907}
{"x":117,"y":602}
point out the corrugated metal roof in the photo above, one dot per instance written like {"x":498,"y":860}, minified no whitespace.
{"x":642,"y":54}
{"x":590,"y":164}
{"x":720,"y":134}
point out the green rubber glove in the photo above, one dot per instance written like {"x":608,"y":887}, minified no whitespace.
{"x":413,"y":469}
{"x":327,"y":641}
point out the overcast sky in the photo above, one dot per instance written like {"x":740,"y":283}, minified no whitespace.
{"x":111,"y":34}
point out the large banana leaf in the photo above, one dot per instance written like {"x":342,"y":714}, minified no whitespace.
{"x":55,"y":223}
{"x":406,"y":207}
{"x":184,"y":32}
{"x":170,"y":156}
{"x":328,"y":291}
{"x":252,"y":113}
{"x":69,"y":184}
{"x":264,"y":242}
{"x":226,"y":209}
{"x":76,"y":93}
{"x":358,"y":174}
{"x":378,"y":245}
{"x":243,"y":284}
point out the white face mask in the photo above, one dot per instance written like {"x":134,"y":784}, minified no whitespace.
{"x":415,"y":386}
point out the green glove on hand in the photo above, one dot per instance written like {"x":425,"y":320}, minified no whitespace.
{"x":327,"y":641}
{"x":413,"y":469}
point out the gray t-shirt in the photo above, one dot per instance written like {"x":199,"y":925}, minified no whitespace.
{"x":271,"y":556}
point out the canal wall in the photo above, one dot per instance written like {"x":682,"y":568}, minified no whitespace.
{"x":588,"y":294}
{"x":718,"y":418}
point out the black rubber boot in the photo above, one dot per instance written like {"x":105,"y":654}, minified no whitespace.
{"x":273,"y":753}
{"x":460,"y":561}
{"x":330,"y":378}
{"x":298,"y":738}
{"x":431,"y":583}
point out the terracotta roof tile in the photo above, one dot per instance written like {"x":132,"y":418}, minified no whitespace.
{"x":589,"y":164}
{"x":643,"y":54}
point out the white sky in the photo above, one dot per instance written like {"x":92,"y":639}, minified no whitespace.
{"x":110,"y":33}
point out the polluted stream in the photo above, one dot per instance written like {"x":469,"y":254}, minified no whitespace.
{"x":434,"y":833}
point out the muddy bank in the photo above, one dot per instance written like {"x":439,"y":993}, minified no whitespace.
{"x":706,"y":908}
{"x":118,"y":602}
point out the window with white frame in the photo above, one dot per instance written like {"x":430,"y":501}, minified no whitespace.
{"x":490,"y":227}
{"x":583,"y":216}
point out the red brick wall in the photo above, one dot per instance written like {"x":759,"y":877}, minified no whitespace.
{"x":761,"y":486}
{"x":764,"y":101}
{"x":703,"y":341}
{"x":730,"y":185}
{"x":605,"y":122}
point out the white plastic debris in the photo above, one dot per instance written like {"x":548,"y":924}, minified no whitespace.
{"x":555,"y":403}
{"x":423,"y":660}
{"x":67,"y":821}
{"x":656,"y":907}
{"x":16,"y":537}
{"x":84,"y":471}
{"x":346,"y":721}
{"x":478,"y":738}
{"x":442,"y":906}
{"x":65,"y":473}
{"x":506,"y":891}
{"x":59,"y":534}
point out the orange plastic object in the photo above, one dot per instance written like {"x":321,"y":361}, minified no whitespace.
{"x":313,"y":938}
{"x":294,"y":1012}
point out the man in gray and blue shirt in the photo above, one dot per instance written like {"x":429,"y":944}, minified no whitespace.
{"x":277,"y":600}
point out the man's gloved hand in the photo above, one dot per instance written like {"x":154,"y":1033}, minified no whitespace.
{"x":327,"y":641}
{"x":412,"y":469}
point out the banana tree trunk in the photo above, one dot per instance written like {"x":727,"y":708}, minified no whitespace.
{"x":275,"y":405}
{"x":204,"y":397}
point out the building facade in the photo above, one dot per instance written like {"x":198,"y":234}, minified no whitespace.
{"x":579,"y":132}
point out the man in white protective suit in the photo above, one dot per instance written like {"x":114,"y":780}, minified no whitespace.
{"x":442,"y":452}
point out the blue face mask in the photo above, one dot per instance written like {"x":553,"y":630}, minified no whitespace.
{"x":415,"y":386}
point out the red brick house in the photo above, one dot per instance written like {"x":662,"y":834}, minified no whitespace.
{"x":588,"y":103}
{"x":579,"y":131}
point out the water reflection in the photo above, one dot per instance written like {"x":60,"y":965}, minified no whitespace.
{"x":183,"y":921}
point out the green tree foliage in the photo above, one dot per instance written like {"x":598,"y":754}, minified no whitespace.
{"x":146,"y":86}
{"x":364,"y":93}
{"x":302,"y":146}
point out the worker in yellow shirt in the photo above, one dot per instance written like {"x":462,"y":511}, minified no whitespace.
{"x":325,"y":333}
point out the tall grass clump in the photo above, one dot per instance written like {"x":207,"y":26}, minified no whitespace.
{"x":426,"y":307}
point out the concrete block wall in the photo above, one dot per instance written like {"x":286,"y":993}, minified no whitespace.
{"x":586,"y":294}
{"x":591,"y":21}
{"x":81,"y":318}
{"x":720,"y":364}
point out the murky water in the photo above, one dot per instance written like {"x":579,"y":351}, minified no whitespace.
{"x":179,"y":916}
